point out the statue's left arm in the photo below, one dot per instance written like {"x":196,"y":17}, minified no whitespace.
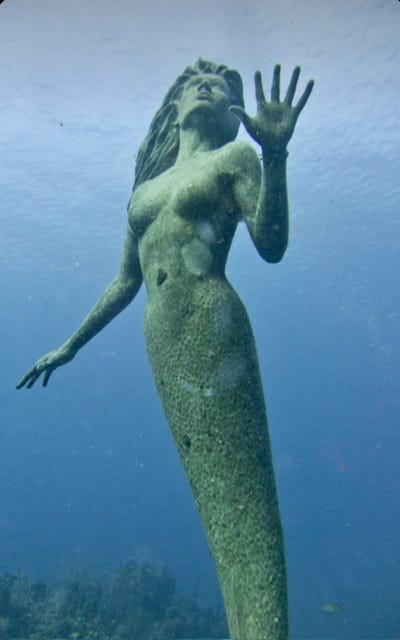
{"x":272,"y":128}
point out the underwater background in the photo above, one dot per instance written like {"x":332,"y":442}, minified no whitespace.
{"x":89,"y":476}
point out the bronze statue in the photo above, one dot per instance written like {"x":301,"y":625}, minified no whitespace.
{"x":193,"y":184}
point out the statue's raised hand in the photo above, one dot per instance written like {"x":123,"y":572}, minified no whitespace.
{"x":46,"y":365}
{"x":273,"y":125}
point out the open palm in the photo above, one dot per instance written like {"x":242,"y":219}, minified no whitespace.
{"x":274,"y":123}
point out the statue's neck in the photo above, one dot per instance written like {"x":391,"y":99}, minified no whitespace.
{"x":194,"y":141}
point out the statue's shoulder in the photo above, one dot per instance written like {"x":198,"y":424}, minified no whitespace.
{"x":242,"y":156}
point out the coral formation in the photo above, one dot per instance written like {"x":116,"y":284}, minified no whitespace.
{"x":139,"y":601}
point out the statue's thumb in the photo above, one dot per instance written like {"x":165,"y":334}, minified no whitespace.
{"x":239,"y":113}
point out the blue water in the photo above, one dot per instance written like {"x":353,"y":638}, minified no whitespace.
{"x":89,"y":475}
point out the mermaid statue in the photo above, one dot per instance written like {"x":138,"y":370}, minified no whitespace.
{"x":193,"y":184}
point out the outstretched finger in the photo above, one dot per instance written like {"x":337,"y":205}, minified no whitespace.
{"x":46,"y":377}
{"x":276,"y":83}
{"x":301,"y":103}
{"x":292,"y":86}
{"x":21,"y":383}
{"x":33,"y":377}
{"x":260,"y":96}
{"x":26,"y":378}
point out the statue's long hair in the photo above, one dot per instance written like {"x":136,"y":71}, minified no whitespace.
{"x":159,"y":149}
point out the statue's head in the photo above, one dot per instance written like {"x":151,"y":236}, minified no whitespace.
{"x":159,"y":149}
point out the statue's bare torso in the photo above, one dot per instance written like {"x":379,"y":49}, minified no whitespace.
{"x":193,"y":203}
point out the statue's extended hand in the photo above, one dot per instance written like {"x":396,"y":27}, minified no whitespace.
{"x":46,"y":365}
{"x":273,"y":125}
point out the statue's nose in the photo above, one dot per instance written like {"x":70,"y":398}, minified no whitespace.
{"x":205,"y":85}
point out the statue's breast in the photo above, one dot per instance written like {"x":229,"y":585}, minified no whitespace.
{"x":197,"y":193}
{"x":145,"y":205}
{"x":197,"y":189}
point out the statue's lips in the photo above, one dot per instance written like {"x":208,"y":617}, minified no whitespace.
{"x":204,"y":96}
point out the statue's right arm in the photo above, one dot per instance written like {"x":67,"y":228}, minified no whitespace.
{"x":116,"y":297}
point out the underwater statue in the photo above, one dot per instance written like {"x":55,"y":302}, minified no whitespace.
{"x":193,"y":185}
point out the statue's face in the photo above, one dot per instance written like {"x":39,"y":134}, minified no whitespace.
{"x":206,"y":95}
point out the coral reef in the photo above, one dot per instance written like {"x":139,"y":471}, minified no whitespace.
{"x":139,"y":601}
